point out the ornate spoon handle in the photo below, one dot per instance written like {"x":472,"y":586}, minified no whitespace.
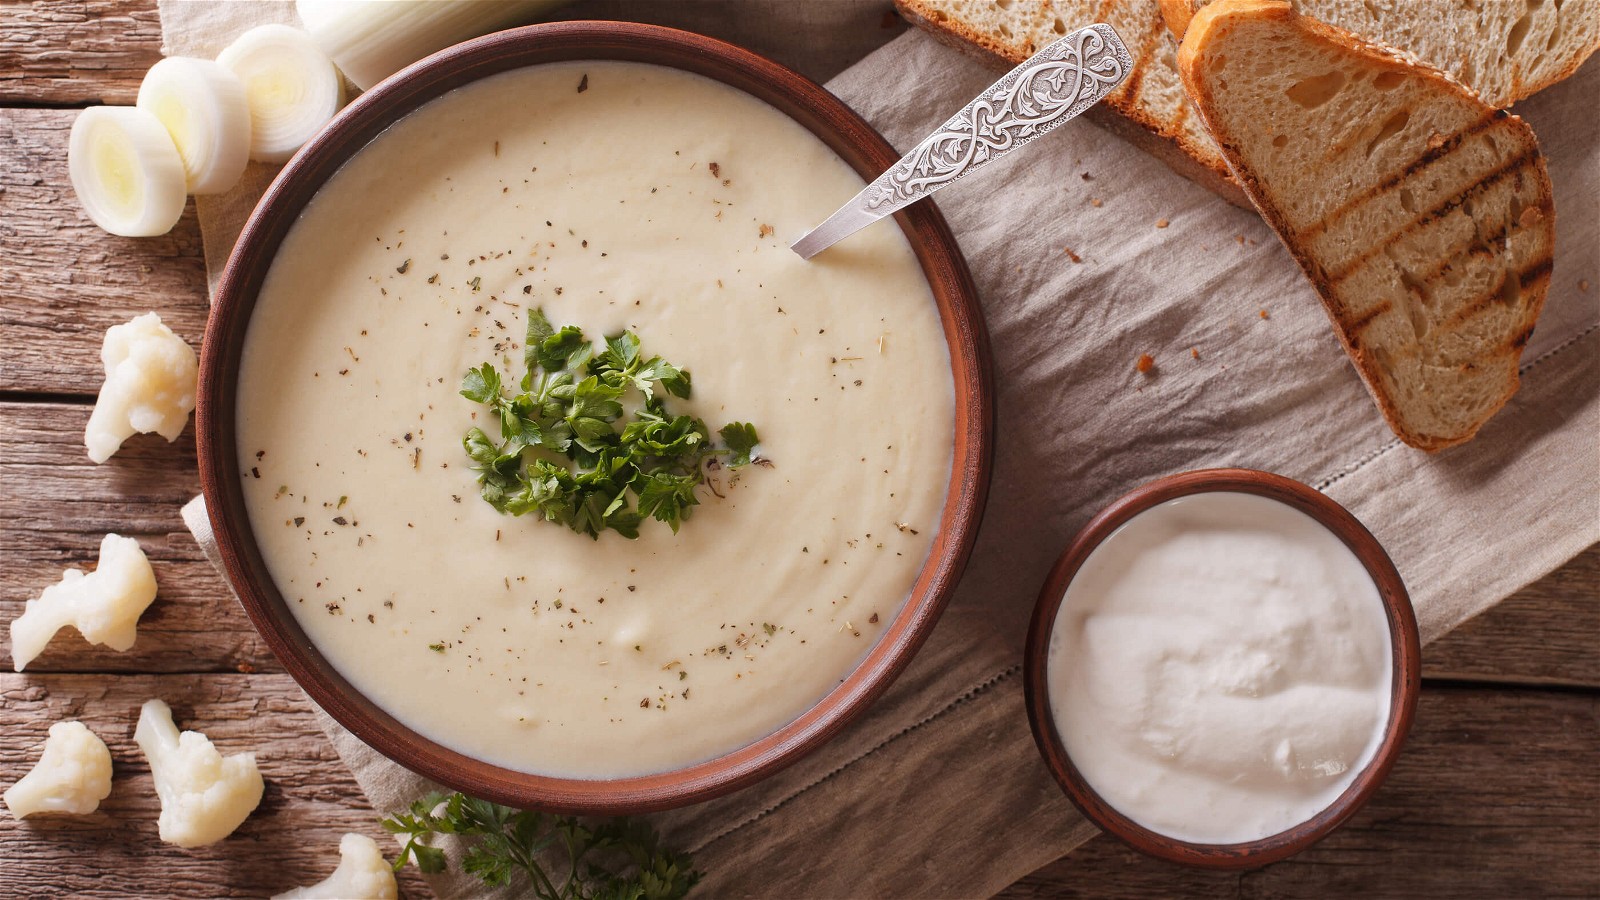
{"x":1051,"y":87}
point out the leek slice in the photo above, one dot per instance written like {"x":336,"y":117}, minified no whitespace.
{"x":290,"y":85}
{"x":203,"y":108}
{"x":126,"y":170}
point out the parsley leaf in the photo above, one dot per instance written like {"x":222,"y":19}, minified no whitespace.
{"x":619,"y":469}
{"x":667,"y":497}
{"x":741,"y":440}
{"x":480,"y":449}
{"x":482,"y":385}
{"x":563,"y":349}
{"x":617,"y":858}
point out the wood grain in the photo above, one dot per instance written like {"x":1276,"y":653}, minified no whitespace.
{"x":1496,"y":795}
{"x":292,"y":838}
{"x":63,"y":504}
{"x":64,"y":281}
{"x":1547,"y":633}
{"x":57,"y":505}
{"x":76,"y":53}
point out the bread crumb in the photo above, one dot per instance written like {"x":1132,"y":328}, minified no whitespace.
{"x":1094,"y":202}
{"x":1087,"y":177}
{"x":765,"y":230}
{"x":1146,"y":364}
{"x":1162,"y":223}
{"x":1194,"y":352}
{"x":1264,"y":314}
{"x":1239,"y":239}
{"x":1583,"y":285}
{"x":1072,"y":256}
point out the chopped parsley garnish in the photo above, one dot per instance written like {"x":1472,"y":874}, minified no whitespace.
{"x":618,"y":858}
{"x":568,"y":451}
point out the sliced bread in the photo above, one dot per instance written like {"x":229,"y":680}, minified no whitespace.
{"x":1149,"y":109}
{"x":1503,"y":49}
{"x":1422,"y":215}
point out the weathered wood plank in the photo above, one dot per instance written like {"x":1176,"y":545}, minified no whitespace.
{"x":1496,"y":795}
{"x":57,"y":505}
{"x":1551,"y":629}
{"x":292,"y":838}
{"x":64,"y":281}
{"x":69,"y":53}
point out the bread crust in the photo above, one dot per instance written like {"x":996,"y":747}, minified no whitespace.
{"x":1210,"y":23}
{"x":1178,"y":14}
{"x":1118,"y":113}
{"x":1127,"y":117}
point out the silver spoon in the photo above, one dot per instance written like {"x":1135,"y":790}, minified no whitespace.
{"x":1052,"y":87}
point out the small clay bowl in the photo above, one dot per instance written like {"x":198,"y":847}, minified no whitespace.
{"x":848,"y":135}
{"x":1406,"y":654}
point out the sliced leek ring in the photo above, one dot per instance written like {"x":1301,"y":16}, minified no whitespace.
{"x":202,"y":106}
{"x":126,"y":170}
{"x":291,"y":86}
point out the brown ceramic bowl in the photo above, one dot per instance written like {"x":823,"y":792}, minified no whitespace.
{"x":1405,"y":647}
{"x":804,"y":101}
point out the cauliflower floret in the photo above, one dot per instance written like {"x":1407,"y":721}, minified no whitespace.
{"x":104,"y":605}
{"x":72,"y":776}
{"x":150,"y":386}
{"x":204,"y":796}
{"x":363,"y":874}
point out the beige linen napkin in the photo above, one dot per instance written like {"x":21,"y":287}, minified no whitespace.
{"x":1087,"y":254}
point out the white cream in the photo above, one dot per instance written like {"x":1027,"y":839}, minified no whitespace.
{"x":561,"y":654}
{"x":1220,"y":669}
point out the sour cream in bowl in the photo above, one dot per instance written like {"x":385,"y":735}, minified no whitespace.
{"x":1222,"y":667}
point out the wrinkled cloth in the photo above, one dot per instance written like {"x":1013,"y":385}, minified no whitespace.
{"x":1088,"y":254}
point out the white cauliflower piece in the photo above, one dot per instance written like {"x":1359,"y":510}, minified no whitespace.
{"x":104,"y":605}
{"x":363,"y":874}
{"x":72,"y":776}
{"x":204,"y":796}
{"x":150,"y":384}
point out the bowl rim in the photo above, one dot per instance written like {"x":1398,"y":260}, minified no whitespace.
{"x":221,"y":471}
{"x":1405,"y":656}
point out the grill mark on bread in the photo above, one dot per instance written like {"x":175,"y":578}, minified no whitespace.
{"x":1485,"y":247}
{"x":1141,"y":60}
{"x":1431,"y":155}
{"x":1520,"y":339}
{"x":1514,"y":166}
{"x":1526,"y":280}
{"x":1474,"y":179}
{"x":1189,"y":151}
{"x":1357,"y":325}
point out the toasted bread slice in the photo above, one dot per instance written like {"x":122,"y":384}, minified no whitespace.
{"x":1503,"y":49}
{"x":1149,"y":109}
{"x":1422,"y":215}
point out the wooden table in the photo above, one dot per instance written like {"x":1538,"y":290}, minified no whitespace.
{"x":1497,"y":795}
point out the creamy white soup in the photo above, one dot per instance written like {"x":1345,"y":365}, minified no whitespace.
{"x":613,"y":196}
